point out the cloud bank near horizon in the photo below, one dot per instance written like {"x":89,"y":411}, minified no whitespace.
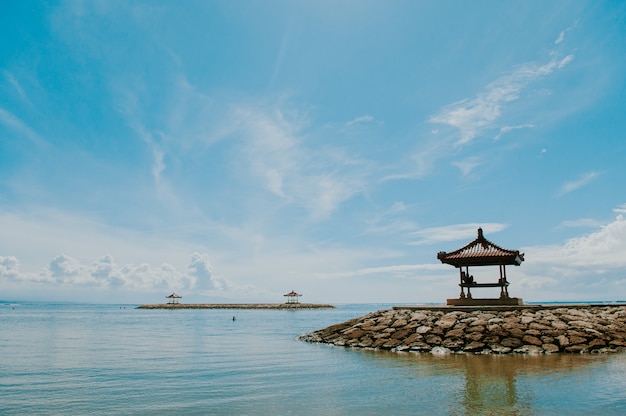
{"x":587,"y":263}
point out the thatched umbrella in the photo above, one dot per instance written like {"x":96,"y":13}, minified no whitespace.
{"x":292,"y":297}
{"x":173,"y":298}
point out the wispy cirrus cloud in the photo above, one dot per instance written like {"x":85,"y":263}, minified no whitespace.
{"x":359,"y":120}
{"x":507,"y":129}
{"x":466,"y":166}
{"x":472,"y":116}
{"x":562,"y":34}
{"x":318,"y":179}
{"x":581,"y":222}
{"x":21,"y":128}
{"x":454,"y":232}
{"x":17,"y":87}
{"x":583,"y":180}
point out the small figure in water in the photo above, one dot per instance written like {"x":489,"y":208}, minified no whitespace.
{"x":234,"y":318}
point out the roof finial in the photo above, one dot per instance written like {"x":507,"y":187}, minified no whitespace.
{"x":480,"y":232}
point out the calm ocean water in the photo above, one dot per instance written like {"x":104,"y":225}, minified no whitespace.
{"x":116,"y":360}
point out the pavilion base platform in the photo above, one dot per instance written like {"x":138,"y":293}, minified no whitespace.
{"x":484,"y":302}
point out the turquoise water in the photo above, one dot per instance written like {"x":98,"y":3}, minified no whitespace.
{"x":117,"y":360}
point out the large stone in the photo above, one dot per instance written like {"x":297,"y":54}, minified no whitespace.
{"x":500,"y":349}
{"x":424,"y":329}
{"x":528,"y":349}
{"x":399,"y":323}
{"x":440,"y":351}
{"x":529,"y":339}
{"x":581,"y":324}
{"x":511,"y":342}
{"x":558,"y":324}
{"x":580,"y":348}
{"x":402,"y":333}
{"x":455,"y":333}
{"x":353,"y":333}
{"x":516,"y":332}
{"x":420,"y":346}
{"x":492,"y":339}
{"x":550,"y":348}
{"x":432,"y":339}
{"x":597,"y":343}
{"x":365,"y":342}
{"x":446,"y":322}
{"x":418,"y":316}
{"x":453,"y":343}
{"x":412,"y":339}
{"x":474,"y":346}
{"x":478,"y":328}
{"x":527,"y":319}
{"x":574,"y":339}
{"x":562,"y":340}
{"x":391,"y":343}
{"x":538,"y":327}
{"x":474,"y":336}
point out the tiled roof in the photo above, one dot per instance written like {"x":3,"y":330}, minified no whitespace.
{"x":481,"y":252}
{"x":292,"y":293}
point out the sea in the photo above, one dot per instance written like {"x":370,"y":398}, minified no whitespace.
{"x":85,"y":359}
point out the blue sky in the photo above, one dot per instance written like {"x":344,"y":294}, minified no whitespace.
{"x":238,"y":150}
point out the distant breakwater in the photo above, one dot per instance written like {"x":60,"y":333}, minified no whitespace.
{"x":236,"y":306}
{"x":499,"y":330}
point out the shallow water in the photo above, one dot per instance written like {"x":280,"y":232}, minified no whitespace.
{"x":114,"y":359}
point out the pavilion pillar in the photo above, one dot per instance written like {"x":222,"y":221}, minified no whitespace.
{"x":462,"y":296}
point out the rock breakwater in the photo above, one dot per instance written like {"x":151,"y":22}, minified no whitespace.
{"x":531,"y":330}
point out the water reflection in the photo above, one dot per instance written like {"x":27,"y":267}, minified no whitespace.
{"x":492,"y":384}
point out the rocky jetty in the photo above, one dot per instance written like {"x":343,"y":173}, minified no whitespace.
{"x":530,"y":330}
{"x":236,"y":306}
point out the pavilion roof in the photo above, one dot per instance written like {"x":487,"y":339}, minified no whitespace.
{"x":481,"y":252}
{"x":292,"y":293}
{"x":173,"y":295}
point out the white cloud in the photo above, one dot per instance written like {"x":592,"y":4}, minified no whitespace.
{"x":621,"y":209}
{"x":562,"y":34}
{"x":68,"y":272}
{"x":467,"y":165}
{"x":560,"y":38}
{"x":10,"y":120}
{"x":201,"y":271}
{"x":507,"y":129}
{"x":9,"y":267}
{"x":474,"y":115}
{"x":590,"y":267}
{"x":65,"y":269}
{"x":582,"y":222}
{"x":584,"y":179}
{"x":455,"y":232}
{"x":320,"y":180}
{"x":362,"y":119}
{"x":16,"y":85}
{"x":393,"y":271}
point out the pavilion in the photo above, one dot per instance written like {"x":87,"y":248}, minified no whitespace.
{"x":292,"y":297}
{"x":173,"y":298}
{"x":482,"y":252}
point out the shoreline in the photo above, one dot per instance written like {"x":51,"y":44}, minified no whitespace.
{"x":524,"y":329}
{"x":236,"y":306}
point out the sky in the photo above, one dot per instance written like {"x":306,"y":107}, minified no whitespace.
{"x":235,"y":151}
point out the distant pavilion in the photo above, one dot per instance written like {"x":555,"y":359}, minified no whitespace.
{"x":482,"y":252}
{"x":292,"y":297}
{"x":173,"y":298}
